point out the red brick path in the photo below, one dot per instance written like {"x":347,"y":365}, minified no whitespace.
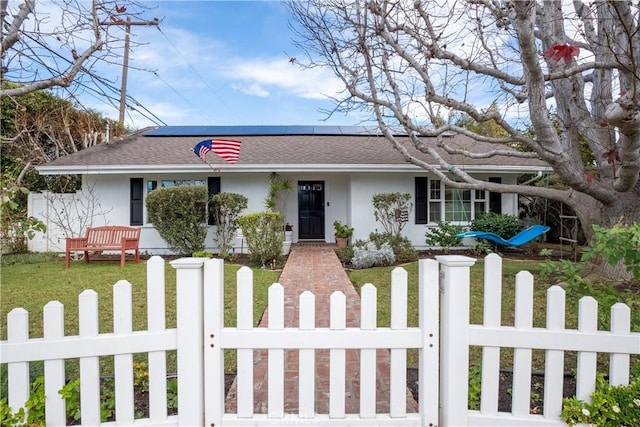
{"x":317,"y":269}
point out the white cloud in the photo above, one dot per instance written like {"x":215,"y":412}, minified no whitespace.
{"x":285,"y":77}
{"x":253,"y":89}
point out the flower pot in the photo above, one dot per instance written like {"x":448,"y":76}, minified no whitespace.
{"x":341,"y":242}
{"x":286,"y":247}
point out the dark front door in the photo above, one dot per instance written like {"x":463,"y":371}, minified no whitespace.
{"x":311,"y":210}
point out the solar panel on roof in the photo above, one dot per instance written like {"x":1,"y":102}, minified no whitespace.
{"x":257,"y":130}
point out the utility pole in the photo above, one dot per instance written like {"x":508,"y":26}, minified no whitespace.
{"x":125,"y":60}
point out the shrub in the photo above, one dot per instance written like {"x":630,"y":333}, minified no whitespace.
{"x":226,"y":208}
{"x":371,"y":256}
{"x":202,"y":254}
{"x":392,"y":210}
{"x":402,"y":248}
{"x":444,"y":235}
{"x":475,"y":386}
{"x":505,"y":226}
{"x":345,"y":254}
{"x":606,"y":294}
{"x":620,"y":243}
{"x":15,"y":225}
{"x":264,"y":235}
{"x":342,"y":230}
{"x":609,"y":406}
{"x":179,"y":215}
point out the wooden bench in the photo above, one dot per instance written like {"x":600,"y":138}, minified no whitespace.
{"x":106,"y":238}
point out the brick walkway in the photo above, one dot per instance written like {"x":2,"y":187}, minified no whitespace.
{"x":317,"y":269}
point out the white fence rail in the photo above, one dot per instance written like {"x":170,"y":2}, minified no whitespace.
{"x":337,"y":338}
{"x":443,"y":339}
{"x":522,"y":337}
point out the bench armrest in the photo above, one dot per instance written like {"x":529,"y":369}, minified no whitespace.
{"x":76,"y":242}
{"x":130,"y":243}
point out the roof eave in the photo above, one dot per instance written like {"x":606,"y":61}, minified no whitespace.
{"x":283,"y":168}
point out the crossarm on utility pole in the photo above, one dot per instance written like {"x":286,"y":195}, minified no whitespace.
{"x":125,"y":60}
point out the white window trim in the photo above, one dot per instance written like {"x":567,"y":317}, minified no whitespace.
{"x":442,"y":200}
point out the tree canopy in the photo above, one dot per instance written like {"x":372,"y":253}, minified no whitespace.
{"x":544,"y":79}
{"x":40,"y":127}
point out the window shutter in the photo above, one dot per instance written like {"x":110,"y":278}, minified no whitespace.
{"x":213,"y":186}
{"x":495,"y":199}
{"x":422,"y":191}
{"x":136,"y":200}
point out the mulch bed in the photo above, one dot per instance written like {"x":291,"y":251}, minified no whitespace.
{"x":504,"y":390}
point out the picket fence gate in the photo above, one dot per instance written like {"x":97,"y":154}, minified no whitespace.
{"x":443,"y":338}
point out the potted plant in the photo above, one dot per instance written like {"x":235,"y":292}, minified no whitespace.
{"x":288,"y":232}
{"x":342,"y":233}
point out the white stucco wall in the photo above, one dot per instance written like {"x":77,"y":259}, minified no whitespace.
{"x":348,"y":198}
{"x":363,"y":188}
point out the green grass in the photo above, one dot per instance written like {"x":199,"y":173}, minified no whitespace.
{"x":31,"y":281}
{"x":381,"y":278}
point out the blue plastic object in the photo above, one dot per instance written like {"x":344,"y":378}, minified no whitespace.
{"x":519,"y":239}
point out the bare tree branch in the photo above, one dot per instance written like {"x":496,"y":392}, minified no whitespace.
{"x":551,"y":69}
{"x":38,"y":53}
{"x":488,"y":154}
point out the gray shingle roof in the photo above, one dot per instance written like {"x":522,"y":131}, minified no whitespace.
{"x":145,"y":150}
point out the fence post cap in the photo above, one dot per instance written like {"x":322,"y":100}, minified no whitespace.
{"x":188,"y":262}
{"x":456,"y":260}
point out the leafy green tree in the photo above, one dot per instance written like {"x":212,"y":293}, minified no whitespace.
{"x":392,"y":211}
{"x":264,"y":235}
{"x":226,"y":208}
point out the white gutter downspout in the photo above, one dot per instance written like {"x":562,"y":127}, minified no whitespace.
{"x":535,"y":178}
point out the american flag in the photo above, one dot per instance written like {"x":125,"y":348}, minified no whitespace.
{"x":228,"y":149}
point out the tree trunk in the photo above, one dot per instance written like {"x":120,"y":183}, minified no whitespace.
{"x":625,"y":210}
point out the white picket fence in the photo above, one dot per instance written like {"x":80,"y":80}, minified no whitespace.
{"x":443,"y":338}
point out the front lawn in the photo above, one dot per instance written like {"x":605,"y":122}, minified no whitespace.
{"x":31,"y":281}
{"x":606,"y":295}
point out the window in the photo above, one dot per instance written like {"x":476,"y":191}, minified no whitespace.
{"x":137,"y":185}
{"x":480,"y":201}
{"x":152,"y":184}
{"x":435,"y":202}
{"x":180,"y":182}
{"x":457,"y":205}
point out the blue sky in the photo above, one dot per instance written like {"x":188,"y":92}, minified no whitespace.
{"x":221,"y":63}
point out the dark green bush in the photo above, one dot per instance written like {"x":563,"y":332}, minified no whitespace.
{"x":179,"y":215}
{"x":444,"y":235}
{"x":620,"y":243}
{"x":345,"y":254}
{"x":264,"y":235}
{"x":505,"y":226}
{"x":226,"y":208}
{"x":401,"y":245}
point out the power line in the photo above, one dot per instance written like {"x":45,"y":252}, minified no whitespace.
{"x":181,"y":96}
{"x":198,"y":74}
{"x":98,"y":79}
{"x":125,"y":61}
